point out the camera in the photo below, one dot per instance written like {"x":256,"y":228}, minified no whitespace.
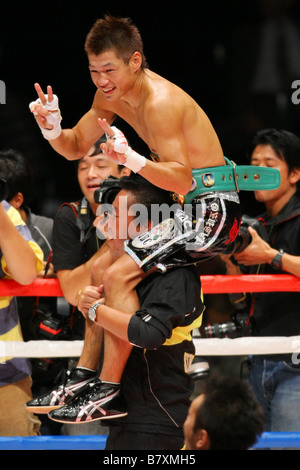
{"x":237,"y":328}
{"x":244,"y":238}
{"x":49,"y":325}
{"x":108,"y":190}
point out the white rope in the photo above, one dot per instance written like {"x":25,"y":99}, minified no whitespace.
{"x":42,"y":348}
{"x":247,"y":345}
{"x":204,"y":347}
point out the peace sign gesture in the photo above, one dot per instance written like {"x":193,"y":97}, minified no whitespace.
{"x":116,"y":144}
{"x":38,"y":107}
{"x":46,"y":112}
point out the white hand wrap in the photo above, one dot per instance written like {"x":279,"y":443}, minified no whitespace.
{"x":53,"y":119}
{"x":134,"y":161}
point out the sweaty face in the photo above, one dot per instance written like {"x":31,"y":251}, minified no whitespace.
{"x":110,"y":74}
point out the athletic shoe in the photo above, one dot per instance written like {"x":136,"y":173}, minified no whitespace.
{"x":92,"y":404}
{"x":69,"y":384}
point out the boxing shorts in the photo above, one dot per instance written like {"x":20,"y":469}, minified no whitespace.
{"x":208,"y":222}
{"x":195,"y":232}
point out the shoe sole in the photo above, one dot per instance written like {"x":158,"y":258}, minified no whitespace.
{"x":42,"y":410}
{"x":113,"y":415}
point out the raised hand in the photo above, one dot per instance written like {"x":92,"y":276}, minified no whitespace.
{"x":38,"y":107}
{"x":117,"y":149}
{"x":47,"y":113}
{"x":116,"y":143}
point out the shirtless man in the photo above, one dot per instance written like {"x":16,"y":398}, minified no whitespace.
{"x":176,"y":129}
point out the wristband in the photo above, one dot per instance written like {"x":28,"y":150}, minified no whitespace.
{"x":134,"y":161}
{"x":53,"y":119}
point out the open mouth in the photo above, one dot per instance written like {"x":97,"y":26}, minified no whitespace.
{"x":108,"y":91}
{"x":93,"y":186}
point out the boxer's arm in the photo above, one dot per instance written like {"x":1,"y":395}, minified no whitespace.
{"x":171,"y":176}
{"x":71,"y":143}
{"x":74,"y":143}
{"x":172,"y":173}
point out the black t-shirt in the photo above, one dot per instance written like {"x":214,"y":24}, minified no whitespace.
{"x":155,"y":386}
{"x":69,"y":251}
{"x":71,"y":248}
{"x":277,"y":313}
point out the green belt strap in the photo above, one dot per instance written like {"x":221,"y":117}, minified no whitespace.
{"x":232,"y":177}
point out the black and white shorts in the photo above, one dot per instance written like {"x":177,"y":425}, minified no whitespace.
{"x":195,"y":232}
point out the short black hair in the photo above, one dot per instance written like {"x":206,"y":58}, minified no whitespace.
{"x":17,"y":172}
{"x":149,"y":195}
{"x":230,"y":414}
{"x":115,"y":33}
{"x":285,"y":144}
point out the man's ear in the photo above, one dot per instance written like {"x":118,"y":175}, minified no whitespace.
{"x":294,"y":176}
{"x":125,"y":171}
{"x":136,"y":61}
{"x":17,"y":200}
{"x":202,"y":441}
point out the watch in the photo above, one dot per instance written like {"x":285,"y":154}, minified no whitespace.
{"x":276,"y":261}
{"x":92,"y":311}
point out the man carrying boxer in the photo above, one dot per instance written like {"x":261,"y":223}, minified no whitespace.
{"x":188,"y":156}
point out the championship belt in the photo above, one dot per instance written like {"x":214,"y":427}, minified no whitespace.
{"x":232,"y":177}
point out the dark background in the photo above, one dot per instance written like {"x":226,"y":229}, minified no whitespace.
{"x":208,"y":48}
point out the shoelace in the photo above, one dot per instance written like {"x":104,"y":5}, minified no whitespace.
{"x":82,"y":396}
{"x":62,"y":378}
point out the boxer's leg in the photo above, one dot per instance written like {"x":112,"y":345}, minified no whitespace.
{"x":119,"y":281}
{"x":93,"y":337}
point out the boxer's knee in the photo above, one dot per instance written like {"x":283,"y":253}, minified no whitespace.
{"x":122,"y":275}
{"x":97,"y":273}
{"x":113,"y":279}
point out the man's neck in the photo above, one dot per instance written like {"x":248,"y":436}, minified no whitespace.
{"x":273,"y":208}
{"x":135,"y":96}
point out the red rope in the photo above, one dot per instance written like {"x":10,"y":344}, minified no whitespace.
{"x":211,"y":285}
{"x":250,"y":283}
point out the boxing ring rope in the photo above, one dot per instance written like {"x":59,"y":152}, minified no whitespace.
{"x":207,"y":347}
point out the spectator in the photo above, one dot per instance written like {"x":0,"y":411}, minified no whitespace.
{"x":17,"y":172}
{"x":275,"y":378}
{"x":21,"y":260}
{"x":226,"y":416}
{"x":33,"y":311}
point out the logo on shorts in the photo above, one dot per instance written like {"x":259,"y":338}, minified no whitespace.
{"x":208,"y":179}
{"x":233,"y":232}
{"x":158,"y":233}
